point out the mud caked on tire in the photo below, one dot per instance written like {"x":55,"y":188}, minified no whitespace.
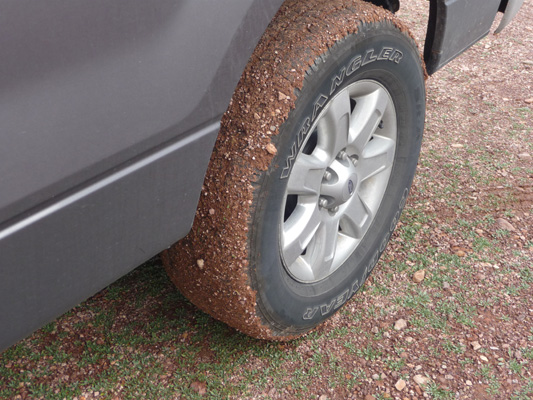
{"x":310,"y":171}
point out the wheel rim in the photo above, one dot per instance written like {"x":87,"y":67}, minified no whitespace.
{"x":338,"y":181}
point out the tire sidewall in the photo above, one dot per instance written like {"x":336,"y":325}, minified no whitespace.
{"x":379,"y":52}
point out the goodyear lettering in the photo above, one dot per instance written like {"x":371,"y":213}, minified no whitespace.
{"x":310,"y":313}
{"x":355,"y":288}
{"x":338,"y":301}
{"x":343,"y":298}
{"x":326,"y":308}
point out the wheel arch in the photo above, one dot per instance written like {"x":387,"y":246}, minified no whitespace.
{"x":391,"y":5}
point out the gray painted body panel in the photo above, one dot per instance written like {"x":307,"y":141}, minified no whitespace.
{"x":87,"y":85}
{"x":108,"y":115}
{"x":68,"y":251}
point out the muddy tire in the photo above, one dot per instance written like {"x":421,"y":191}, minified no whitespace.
{"x":310,"y":172}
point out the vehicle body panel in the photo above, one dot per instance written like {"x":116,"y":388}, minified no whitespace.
{"x":88,"y":85}
{"x":108,"y":115}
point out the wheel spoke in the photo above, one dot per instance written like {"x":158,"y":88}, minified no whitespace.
{"x":356,"y":218}
{"x":306,"y":174}
{"x":377,"y":156}
{"x":334,"y":125}
{"x":366,"y":117}
{"x":324,"y":247}
{"x":298,"y":231}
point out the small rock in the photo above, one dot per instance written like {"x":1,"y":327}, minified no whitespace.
{"x":524,"y":156}
{"x":468,"y":383}
{"x":272,"y":128}
{"x":199,"y":387}
{"x":479,"y":277}
{"x":504,"y":224}
{"x":409,"y":339}
{"x":200,"y":263}
{"x":418,"y":368}
{"x":446,"y":286}
{"x":518,"y":354}
{"x":457,"y":145}
{"x":529,"y":101}
{"x":475,"y":345}
{"x":421,"y":380}
{"x":375,"y":377}
{"x":281,"y":96}
{"x":483,"y":358}
{"x":419,"y":276}
{"x":271,"y":149}
{"x":323,"y":397}
{"x":211,"y":211}
{"x":479,"y":231}
{"x":449,"y":377}
{"x":400,"y":324}
{"x":375,"y":330}
{"x":400,"y":385}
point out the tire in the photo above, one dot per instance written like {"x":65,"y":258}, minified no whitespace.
{"x":310,"y":172}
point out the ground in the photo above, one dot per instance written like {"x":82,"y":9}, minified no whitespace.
{"x":446,"y":314}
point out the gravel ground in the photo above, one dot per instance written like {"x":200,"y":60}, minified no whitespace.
{"x":446,"y":314}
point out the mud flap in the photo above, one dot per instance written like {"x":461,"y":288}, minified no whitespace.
{"x":454,"y":26}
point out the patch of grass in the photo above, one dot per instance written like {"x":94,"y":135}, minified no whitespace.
{"x":452,"y":347}
{"x":524,"y":393}
{"x":438,"y":393}
{"x":369,"y":353}
{"x":395,"y":364}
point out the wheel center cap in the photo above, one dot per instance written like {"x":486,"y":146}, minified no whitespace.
{"x":349,"y":187}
